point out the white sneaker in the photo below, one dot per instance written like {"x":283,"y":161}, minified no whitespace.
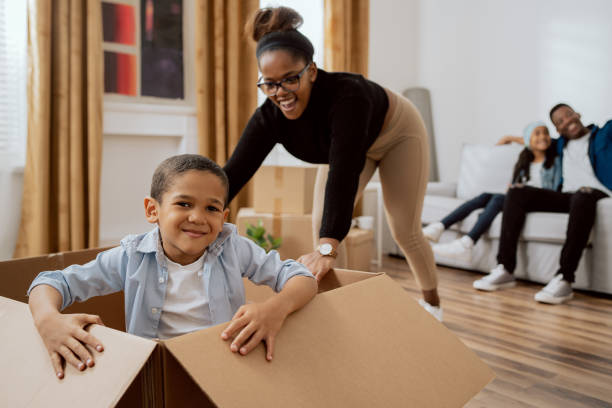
{"x":433,"y":231}
{"x":459,"y":249}
{"x":435,"y":311}
{"x":557,"y":291}
{"x":499,"y":278}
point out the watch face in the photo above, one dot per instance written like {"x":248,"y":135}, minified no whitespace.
{"x":325,"y":249}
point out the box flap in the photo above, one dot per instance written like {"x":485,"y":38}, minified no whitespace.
{"x":333,"y":280}
{"x":337,"y":278}
{"x":366,"y":344}
{"x":18,"y":274}
{"x":27,"y":378}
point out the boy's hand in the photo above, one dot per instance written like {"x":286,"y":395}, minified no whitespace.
{"x":64,"y":337}
{"x":253,"y":323}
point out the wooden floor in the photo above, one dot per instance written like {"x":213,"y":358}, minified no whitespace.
{"x":542,"y":355}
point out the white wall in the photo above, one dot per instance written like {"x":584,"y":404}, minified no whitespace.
{"x":136,"y":139}
{"x":394,"y":43}
{"x":494,"y":66}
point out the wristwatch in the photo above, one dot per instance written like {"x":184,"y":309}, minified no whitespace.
{"x":327,"y":250}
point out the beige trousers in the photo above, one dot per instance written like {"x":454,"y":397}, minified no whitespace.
{"x":401,"y":153}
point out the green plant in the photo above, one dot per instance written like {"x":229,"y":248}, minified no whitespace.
{"x":258,"y":235}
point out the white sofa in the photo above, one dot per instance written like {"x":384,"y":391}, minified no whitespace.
{"x":489,"y":169}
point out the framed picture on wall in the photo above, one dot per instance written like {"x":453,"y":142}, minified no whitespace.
{"x":144,"y":49}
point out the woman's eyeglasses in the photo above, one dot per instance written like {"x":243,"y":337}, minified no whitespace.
{"x":289,"y":84}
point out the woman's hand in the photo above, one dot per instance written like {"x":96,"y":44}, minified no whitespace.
{"x":65,"y":338}
{"x":255,"y":322}
{"x":318,"y":264}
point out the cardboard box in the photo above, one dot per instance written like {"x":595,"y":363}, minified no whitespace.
{"x":359,"y":247}
{"x":284,"y":190}
{"x":362,"y":342}
{"x":295,"y":230}
{"x":18,"y":274}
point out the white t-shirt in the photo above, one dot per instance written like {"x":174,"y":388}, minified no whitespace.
{"x":186,"y":305}
{"x":535,"y":174}
{"x":577,"y":169}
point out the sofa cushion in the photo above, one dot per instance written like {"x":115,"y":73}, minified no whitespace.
{"x":539,"y":226}
{"x":486,"y":169}
{"x":542,"y":227}
{"x":437,"y":207}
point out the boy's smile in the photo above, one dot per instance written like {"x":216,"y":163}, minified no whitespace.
{"x":190,"y":216}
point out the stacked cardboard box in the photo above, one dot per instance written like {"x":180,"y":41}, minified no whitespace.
{"x":338,"y":351}
{"x":295,"y":230}
{"x":283,"y":202}
{"x":359,"y":248}
{"x":284,"y":190}
{"x":283,"y":199}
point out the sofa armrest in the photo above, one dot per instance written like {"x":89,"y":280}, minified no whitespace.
{"x":603,"y":218}
{"x":441,"y":188}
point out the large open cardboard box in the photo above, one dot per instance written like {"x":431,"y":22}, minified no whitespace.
{"x":362,"y":342}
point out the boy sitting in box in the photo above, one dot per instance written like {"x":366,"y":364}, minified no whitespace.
{"x":184,"y":275}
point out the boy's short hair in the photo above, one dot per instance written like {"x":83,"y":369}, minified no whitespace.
{"x":173,"y":166}
{"x":557,"y":106}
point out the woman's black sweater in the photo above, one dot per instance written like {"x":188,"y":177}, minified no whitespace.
{"x":344,"y":116}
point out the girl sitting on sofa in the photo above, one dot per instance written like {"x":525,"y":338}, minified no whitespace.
{"x":537,"y":166}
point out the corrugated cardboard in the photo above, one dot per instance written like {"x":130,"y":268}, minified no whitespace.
{"x":295,"y":230}
{"x":27,"y":378}
{"x":359,"y":246}
{"x":284,"y":190}
{"x":17,"y":275}
{"x":363,"y":342}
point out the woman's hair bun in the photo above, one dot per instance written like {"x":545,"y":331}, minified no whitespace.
{"x":269,"y":19}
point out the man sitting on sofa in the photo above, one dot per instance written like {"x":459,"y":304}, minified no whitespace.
{"x":586,"y":154}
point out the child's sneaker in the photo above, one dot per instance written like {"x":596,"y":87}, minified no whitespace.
{"x":499,"y":278}
{"x":433,"y":231}
{"x":459,"y":249}
{"x":435,"y":311}
{"x":557,"y":291}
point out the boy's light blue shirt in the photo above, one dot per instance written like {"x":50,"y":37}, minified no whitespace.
{"x":138,"y":267}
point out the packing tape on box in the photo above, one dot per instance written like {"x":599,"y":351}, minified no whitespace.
{"x":278,"y":177}
{"x":278,"y":184}
{"x":276,"y":225}
{"x":278,"y":205}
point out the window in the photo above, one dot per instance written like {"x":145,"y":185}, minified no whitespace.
{"x":13,"y":74}
{"x":143,"y":49}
